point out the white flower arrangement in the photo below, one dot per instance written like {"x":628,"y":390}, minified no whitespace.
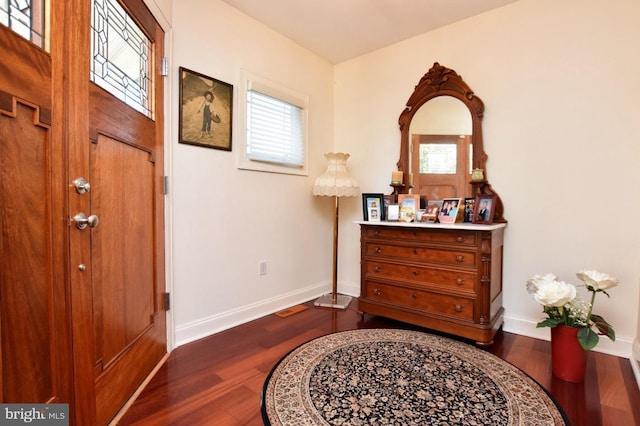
{"x":563,"y":307}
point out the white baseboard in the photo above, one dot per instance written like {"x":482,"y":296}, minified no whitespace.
{"x":195,"y":330}
{"x":204,"y":327}
{"x":635,"y":361}
{"x":621,"y":347}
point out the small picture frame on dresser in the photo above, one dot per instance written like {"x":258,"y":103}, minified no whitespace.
{"x":469,"y":204}
{"x":393,"y":213}
{"x":388,"y":200}
{"x":409,"y":205}
{"x":451,"y":212}
{"x":484,"y":209}
{"x":373,"y":207}
{"x":431,"y":211}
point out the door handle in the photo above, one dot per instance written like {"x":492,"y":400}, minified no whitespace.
{"x":82,"y":221}
{"x":82,"y":186}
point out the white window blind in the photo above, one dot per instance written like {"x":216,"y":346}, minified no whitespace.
{"x":274,"y":130}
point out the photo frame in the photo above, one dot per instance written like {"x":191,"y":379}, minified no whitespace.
{"x":484,"y":209}
{"x":206,"y":111}
{"x":409,"y":205}
{"x":392,"y":213}
{"x":431,"y":211}
{"x":388,"y":200}
{"x":391,"y":209}
{"x":469,"y":204}
{"x":373,"y":207}
{"x":451,"y":212}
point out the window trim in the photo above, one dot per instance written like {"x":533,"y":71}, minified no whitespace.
{"x":251,"y":81}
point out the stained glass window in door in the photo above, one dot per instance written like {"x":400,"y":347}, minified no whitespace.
{"x":438,"y":158}
{"x":121,"y":55}
{"x":26,"y":18}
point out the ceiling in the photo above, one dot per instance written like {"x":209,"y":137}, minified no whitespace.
{"x":339,"y":30}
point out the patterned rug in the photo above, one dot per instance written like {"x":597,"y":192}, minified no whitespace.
{"x":401,"y":377}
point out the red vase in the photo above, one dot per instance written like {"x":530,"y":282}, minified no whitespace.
{"x":568,"y":358}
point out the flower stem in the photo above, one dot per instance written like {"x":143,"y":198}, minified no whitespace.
{"x":593,"y":299}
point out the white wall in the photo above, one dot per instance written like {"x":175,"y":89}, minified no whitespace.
{"x":225,"y":220}
{"x":560,"y":84}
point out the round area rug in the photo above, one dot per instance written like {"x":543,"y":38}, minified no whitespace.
{"x":401,"y":377}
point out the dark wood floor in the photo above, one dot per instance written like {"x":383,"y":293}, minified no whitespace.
{"x":218,"y":380}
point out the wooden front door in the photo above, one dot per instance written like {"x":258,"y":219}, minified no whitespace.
{"x":35,"y":351}
{"x":123,"y":161}
{"x":82,"y":313}
{"x":447,"y":173}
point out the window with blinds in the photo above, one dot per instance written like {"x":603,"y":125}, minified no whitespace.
{"x":274,"y":130}
{"x":274,"y":120}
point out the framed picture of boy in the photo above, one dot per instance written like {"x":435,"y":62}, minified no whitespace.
{"x":484,"y":209}
{"x":206,"y":109}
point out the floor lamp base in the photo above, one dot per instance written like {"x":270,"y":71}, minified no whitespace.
{"x":326,"y":301}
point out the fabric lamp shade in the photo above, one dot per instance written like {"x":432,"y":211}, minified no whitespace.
{"x":335,"y":181}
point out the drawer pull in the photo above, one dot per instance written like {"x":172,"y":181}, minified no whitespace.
{"x":415,"y":251}
{"x":377,"y":233}
{"x":378,"y":250}
{"x":460,"y":239}
{"x":414,"y":297}
{"x":459,"y":258}
{"x":459,"y":281}
{"x":459,"y":308}
{"x":377,"y":269}
{"x":377,"y":292}
{"x":415,"y":273}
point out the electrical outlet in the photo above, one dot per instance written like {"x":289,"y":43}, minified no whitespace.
{"x":262,"y":267}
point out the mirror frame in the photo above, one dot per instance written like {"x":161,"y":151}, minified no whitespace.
{"x":443,"y":81}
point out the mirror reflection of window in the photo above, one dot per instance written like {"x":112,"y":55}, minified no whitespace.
{"x":438,"y":158}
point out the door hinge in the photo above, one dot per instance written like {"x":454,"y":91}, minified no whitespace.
{"x":165,"y":185}
{"x":167,"y":301}
{"x":164,"y":69}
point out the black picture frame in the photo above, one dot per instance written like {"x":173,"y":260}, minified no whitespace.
{"x":469,"y":207}
{"x":196,"y":126}
{"x":367,"y":200}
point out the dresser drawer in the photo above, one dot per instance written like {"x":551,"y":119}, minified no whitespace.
{"x":452,"y":236}
{"x":421,"y":254}
{"x":460,"y":281}
{"x":442,"y":304}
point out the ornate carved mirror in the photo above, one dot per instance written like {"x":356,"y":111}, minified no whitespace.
{"x":441,"y":140}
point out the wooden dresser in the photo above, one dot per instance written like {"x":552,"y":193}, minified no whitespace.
{"x":444,"y":277}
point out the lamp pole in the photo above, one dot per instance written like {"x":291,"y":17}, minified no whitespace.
{"x":334,"y":284}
